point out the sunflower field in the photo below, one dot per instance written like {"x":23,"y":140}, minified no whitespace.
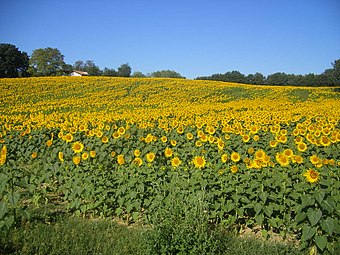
{"x":264,"y":157}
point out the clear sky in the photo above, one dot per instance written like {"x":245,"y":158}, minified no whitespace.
{"x":192,"y":37}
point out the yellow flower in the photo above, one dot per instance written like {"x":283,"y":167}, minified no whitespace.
{"x":224,"y":158}
{"x":138,"y":161}
{"x":61,"y":156}
{"x":173,"y":142}
{"x":136,"y":153}
{"x":76,"y":160}
{"x":113,"y":154}
{"x":282,"y":159}
{"x":34,"y":155}
{"x":245,"y":138}
{"x":68,"y":137}
{"x":105,"y":139}
{"x":288,"y":153}
{"x":190,"y":136}
{"x":49,"y":143}
{"x":121,"y":131}
{"x":273,"y":143}
{"x":164,"y":139}
{"x":168,"y":152}
{"x":235,"y":157}
{"x":93,"y":153}
{"x":234,"y":169}
{"x":302,"y":147}
{"x":199,"y":161}
{"x":77,"y":147}
{"x":311,"y":175}
{"x":260,"y":154}
{"x":150,"y":157}
{"x":120,"y":159}
{"x":85,"y":156}
{"x":175,"y":162}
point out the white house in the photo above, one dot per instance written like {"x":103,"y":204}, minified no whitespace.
{"x":78,"y":73}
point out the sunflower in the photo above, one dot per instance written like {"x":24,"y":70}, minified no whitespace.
{"x":273,"y":144}
{"x":256,"y":138}
{"x":260,"y":154}
{"x":210,"y":129}
{"x":180,"y":130}
{"x":245,"y":138}
{"x":190,"y":136}
{"x":164,"y":139}
{"x":138,"y":161}
{"x":93,"y":153}
{"x":113,"y":154}
{"x":76,"y":160}
{"x":234,"y":169}
{"x":198,"y":143}
{"x":311,"y":175}
{"x":68,"y":137}
{"x":297,"y":159}
{"x":121,"y":130}
{"x":168,"y":152}
{"x":34,"y":155}
{"x":235,"y":157}
{"x":302,"y":147}
{"x":105,"y":139}
{"x":115,"y":135}
{"x":150,"y":157}
{"x":282,"y":159}
{"x":220,"y":144}
{"x":325,"y":141}
{"x":173,"y":142}
{"x":120,"y":159}
{"x":224,"y":158}
{"x":85,"y":156}
{"x":77,"y":147}
{"x":314,"y":159}
{"x":136,"y":152}
{"x":175,"y":162}
{"x":199,"y":161}
{"x":251,"y":150}
{"x":61,"y":156}
{"x":288,"y":153}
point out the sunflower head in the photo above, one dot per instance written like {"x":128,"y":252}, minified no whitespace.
{"x":175,"y":162}
{"x":312,"y":176}
{"x":199,"y":161}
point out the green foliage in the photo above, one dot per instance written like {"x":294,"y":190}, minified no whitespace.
{"x":13,"y":63}
{"x":46,"y":62}
{"x":166,"y":74}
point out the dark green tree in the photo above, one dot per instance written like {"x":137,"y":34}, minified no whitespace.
{"x":87,"y":66}
{"x":257,"y":78}
{"x":138,"y":74}
{"x":109,"y":72}
{"x":13,"y":63}
{"x":124,"y":70}
{"x":46,"y":62}
{"x":166,"y":74}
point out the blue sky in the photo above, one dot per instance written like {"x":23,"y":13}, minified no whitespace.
{"x":192,"y":37}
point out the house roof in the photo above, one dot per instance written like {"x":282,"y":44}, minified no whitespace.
{"x":80,"y":72}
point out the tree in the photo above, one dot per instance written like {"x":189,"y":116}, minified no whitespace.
{"x":89,"y":67}
{"x":13,"y":63}
{"x":46,"y":62}
{"x":166,"y":74}
{"x":138,"y":74}
{"x":109,"y":72}
{"x":124,"y":70}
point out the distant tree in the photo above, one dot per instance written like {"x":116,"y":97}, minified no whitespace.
{"x":138,"y":74}
{"x":46,"y":62}
{"x":13,"y":63}
{"x":109,"y":72}
{"x":257,"y":78}
{"x":336,"y":70}
{"x":124,"y":70}
{"x":87,"y":66}
{"x":277,"y":79}
{"x":166,"y":74}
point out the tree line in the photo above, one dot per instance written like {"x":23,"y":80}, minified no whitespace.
{"x":50,"y":62}
{"x":330,"y":77}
